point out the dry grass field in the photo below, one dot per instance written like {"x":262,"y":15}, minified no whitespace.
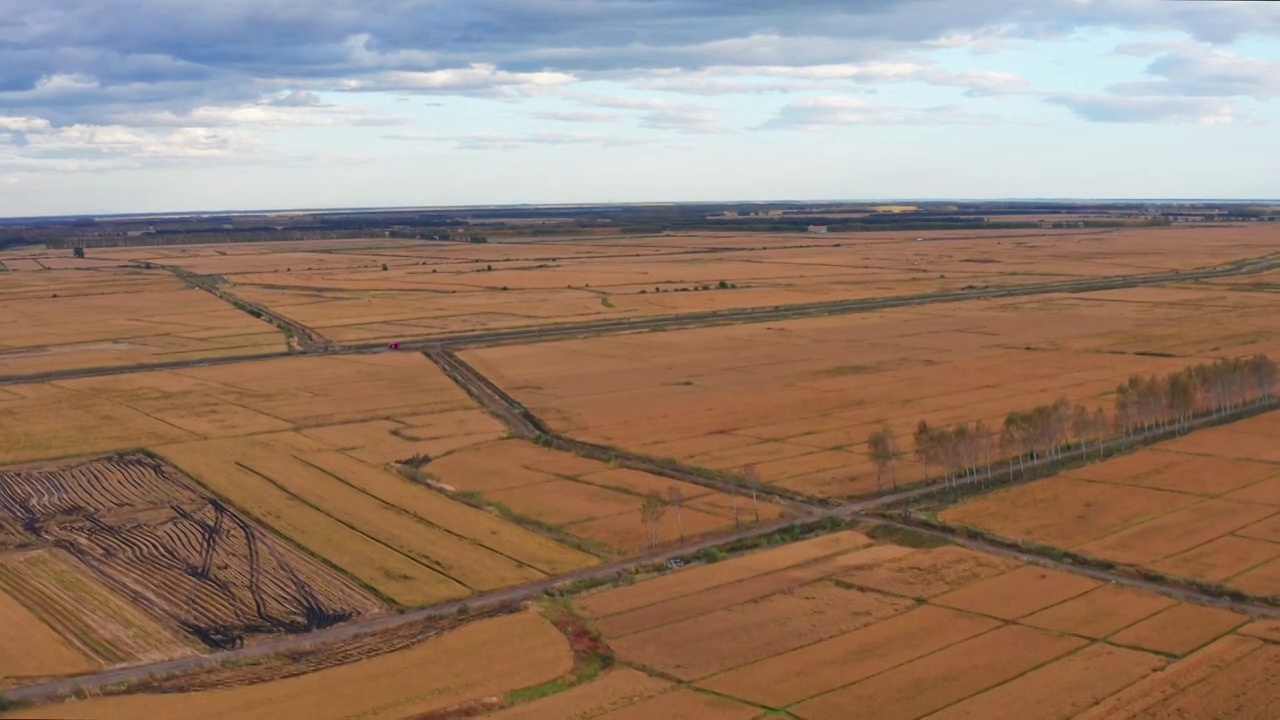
{"x":587,"y":499}
{"x":151,"y":536}
{"x":100,"y":317}
{"x":340,"y":288}
{"x":155,"y":514}
{"x":1205,"y":506}
{"x":799,"y":398}
{"x":516,"y":284}
{"x":479,"y":660}
{"x":839,"y":627}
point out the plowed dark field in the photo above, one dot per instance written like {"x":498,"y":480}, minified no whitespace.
{"x":152,"y":535}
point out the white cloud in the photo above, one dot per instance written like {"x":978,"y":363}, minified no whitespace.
{"x":476,"y":78}
{"x":577,"y":116}
{"x":828,"y":111}
{"x":660,"y":113}
{"x":22,"y":124}
{"x":826,"y":77}
{"x":1137,"y":109}
{"x":1205,"y":72}
{"x":513,"y":141}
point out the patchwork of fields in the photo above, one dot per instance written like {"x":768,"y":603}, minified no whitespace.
{"x":148,"y":517}
{"x":822,"y":628}
{"x":429,"y":288}
{"x":839,"y":627}
{"x":1205,"y":506}
{"x":799,"y":398}
{"x":117,"y":316}
{"x":258,"y":470}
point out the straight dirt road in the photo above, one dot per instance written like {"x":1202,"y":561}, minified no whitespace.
{"x":540,"y":333}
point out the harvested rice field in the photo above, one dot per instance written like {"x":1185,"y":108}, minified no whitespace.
{"x":485,"y":658}
{"x":798,"y":398}
{"x":1204,"y":506}
{"x":150,"y":535}
{"x":221,"y":502}
{"x":342,"y":289}
{"x":366,"y":405}
{"x":587,"y":499}
{"x":835,"y":627}
{"x":102,"y":317}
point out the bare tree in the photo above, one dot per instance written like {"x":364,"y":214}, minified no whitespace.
{"x":732,"y":489}
{"x":1100,"y":426}
{"x":651,"y":512}
{"x":878,"y":453}
{"x":985,"y":438}
{"x":893,"y":449}
{"x":675,"y":499}
{"x":923,"y":440}
{"x":1082,"y":427}
{"x":752,"y":476}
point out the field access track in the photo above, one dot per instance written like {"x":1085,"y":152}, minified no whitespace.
{"x":309,"y":341}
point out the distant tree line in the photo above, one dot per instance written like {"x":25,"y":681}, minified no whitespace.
{"x":1142,"y":404}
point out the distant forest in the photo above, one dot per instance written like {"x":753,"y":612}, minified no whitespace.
{"x":479,"y":224}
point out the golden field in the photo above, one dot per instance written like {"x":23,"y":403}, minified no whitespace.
{"x":115,"y":316}
{"x":798,"y":398}
{"x":150,"y":514}
{"x":433,"y":288}
{"x":821,"y":628}
{"x":1205,"y":506}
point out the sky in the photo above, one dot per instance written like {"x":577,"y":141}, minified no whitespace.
{"x":113,"y":106}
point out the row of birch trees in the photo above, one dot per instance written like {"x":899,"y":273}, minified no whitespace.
{"x":1143,"y":404}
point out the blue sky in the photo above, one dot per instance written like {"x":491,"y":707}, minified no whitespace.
{"x":154,"y":105}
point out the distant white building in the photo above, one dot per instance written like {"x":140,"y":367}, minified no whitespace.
{"x":818,"y":229}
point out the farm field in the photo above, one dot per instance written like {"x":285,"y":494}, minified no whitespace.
{"x":485,"y":658}
{"x":341,"y":288}
{"x":148,"y":534}
{"x":87,"y":614}
{"x":1204,"y":506}
{"x":380,"y":408}
{"x":589,"y":500}
{"x":798,"y":398}
{"x":112,"y":316}
{"x":294,"y":453}
{"x":480,"y":287}
{"x":810,"y":629}
{"x":151,"y":515}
